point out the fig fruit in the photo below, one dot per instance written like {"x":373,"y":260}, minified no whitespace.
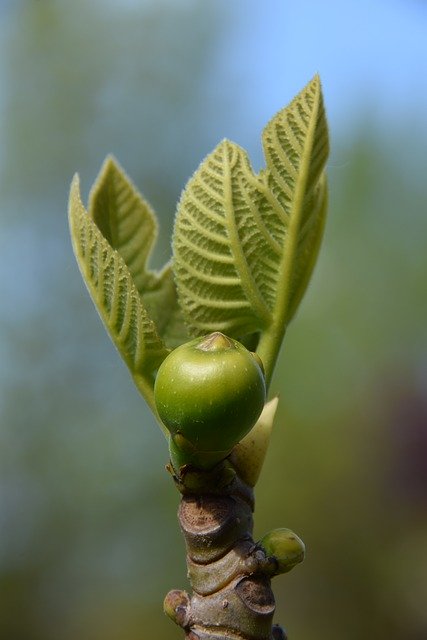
{"x":210,"y":392}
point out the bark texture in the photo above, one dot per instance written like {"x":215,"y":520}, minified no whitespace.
{"x":229,"y":574}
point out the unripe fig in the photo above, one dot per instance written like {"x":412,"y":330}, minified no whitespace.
{"x":285,"y":547}
{"x":210,"y":391}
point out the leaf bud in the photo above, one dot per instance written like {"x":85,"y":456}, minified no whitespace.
{"x":285,"y":547}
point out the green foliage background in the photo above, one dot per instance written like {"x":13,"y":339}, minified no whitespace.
{"x":89,"y":542}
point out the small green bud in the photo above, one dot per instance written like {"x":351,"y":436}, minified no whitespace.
{"x":285,"y":547}
{"x":176,"y":605}
{"x":210,"y":391}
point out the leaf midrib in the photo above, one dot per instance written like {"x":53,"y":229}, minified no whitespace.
{"x":248,"y":283}
{"x":295,"y":217}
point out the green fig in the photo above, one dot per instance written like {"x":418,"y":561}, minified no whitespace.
{"x":210,"y":392}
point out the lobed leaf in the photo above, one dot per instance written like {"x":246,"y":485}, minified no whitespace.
{"x":115,"y":295}
{"x":245,"y":245}
{"x":130,"y":227}
{"x":296,"y":148}
{"x":215,"y":255}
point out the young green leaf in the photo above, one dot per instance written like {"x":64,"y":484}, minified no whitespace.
{"x":130,"y":227}
{"x":217,"y":259}
{"x":116,"y":297}
{"x":296,"y":147}
{"x":245,"y":245}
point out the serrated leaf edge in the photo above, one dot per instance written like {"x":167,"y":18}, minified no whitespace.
{"x":141,"y":363}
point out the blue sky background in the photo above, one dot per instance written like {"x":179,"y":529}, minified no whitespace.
{"x":372,"y":56}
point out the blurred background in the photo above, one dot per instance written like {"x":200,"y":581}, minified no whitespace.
{"x":89,"y":542}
